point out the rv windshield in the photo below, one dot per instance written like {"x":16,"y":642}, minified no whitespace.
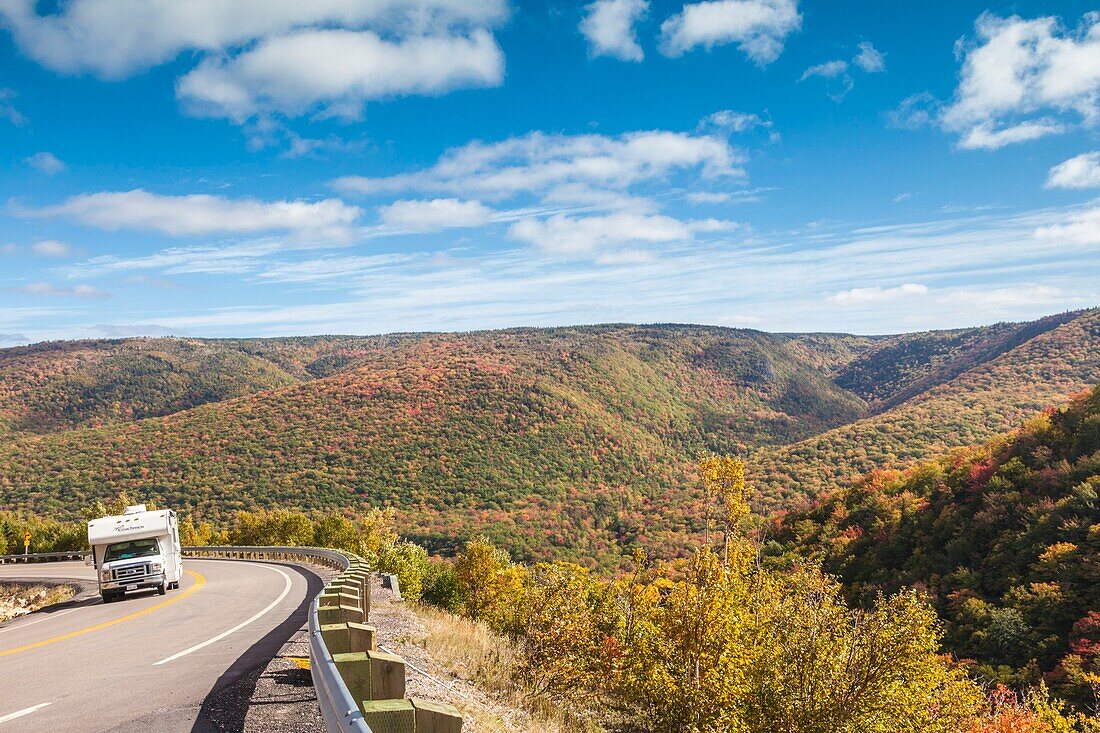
{"x":128,"y":550}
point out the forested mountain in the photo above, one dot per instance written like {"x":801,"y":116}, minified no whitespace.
{"x":1005,"y":537}
{"x":568,"y":442}
{"x":984,"y":400}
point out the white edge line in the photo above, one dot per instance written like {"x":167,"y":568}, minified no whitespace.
{"x":238,"y":627}
{"x":16,"y":625}
{"x":24,"y":711}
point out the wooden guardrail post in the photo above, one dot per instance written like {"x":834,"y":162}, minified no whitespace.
{"x":390,"y":716}
{"x":436,"y":717}
{"x":349,"y":637}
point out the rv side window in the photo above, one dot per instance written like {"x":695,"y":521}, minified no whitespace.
{"x":128,"y":550}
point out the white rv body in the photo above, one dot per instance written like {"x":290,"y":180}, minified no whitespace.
{"x":136,"y":550}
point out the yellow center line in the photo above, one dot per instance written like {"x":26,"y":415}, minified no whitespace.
{"x":200,"y":581}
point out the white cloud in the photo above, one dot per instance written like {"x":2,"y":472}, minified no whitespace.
{"x":759,"y":27}
{"x":828,"y":70}
{"x":1081,"y":171}
{"x":986,"y":137}
{"x":730,"y":121}
{"x":115,"y":38}
{"x":840,"y":82}
{"x":46,"y":162}
{"x":999,"y":299}
{"x":877,"y":294}
{"x":915,"y":111}
{"x":7,"y":108}
{"x":1024,"y":79}
{"x":776,"y":280}
{"x":200,"y":214}
{"x":538,"y":163}
{"x":54,"y":291}
{"x":708,"y":197}
{"x":565,"y":235}
{"x":9,"y":248}
{"x":904,"y":196}
{"x":337,"y":71}
{"x":1080,"y":228}
{"x":270,"y":56}
{"x":51,"y":248}
{"x":433,"y":215}
{"x":609,"y":27}
{"x":870,"y":59}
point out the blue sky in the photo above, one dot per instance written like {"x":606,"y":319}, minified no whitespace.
{"x":265,"y":167}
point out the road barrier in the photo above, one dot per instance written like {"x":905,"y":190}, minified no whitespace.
{"x":360,"y":689}
{"x":44,"y":557}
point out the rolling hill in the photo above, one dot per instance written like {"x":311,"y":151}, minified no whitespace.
{"x":567,"y":442}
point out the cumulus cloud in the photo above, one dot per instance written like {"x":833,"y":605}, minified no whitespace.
{"x":869,"y":59}
{"x":758,"y":27}
{"x":113,"y":39}
{"x":337,"y":71}
{"x":46,"y":162}
{"x":51,"y":248}
{"x":1081,"y":171}
{"x":566,"y":235}
{"x":609,"y":27}
{"x":433,"y":215}
{"x":271,"y":56}
{"x":877,"y":294}
{"x":541,"y":164}
{"x":56,"y":291}
{"x":200,"y":214}
{"x":1025,"y":79}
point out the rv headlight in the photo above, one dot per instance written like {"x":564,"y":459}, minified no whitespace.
{"x":105,"y":574}
{"x":157,"y":567}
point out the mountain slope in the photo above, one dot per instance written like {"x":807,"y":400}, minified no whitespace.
{"x":983,"y":401}
{"x":1005,"y":537}
{"x":567,"y":442}
{"x":547,"y":438}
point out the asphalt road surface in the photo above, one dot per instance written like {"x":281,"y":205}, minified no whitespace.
{"x":149,"y":662}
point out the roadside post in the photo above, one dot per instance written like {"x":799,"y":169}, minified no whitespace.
{"x":26,"y":542}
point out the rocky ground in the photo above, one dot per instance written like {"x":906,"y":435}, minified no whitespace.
{"x":18,"y":598}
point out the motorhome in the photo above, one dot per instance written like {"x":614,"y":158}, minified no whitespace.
{"x":137,"y":550}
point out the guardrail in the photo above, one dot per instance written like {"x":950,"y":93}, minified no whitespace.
{"x":338,"y":706}
{"x":358,"y":681}
{"x":44,"y":557}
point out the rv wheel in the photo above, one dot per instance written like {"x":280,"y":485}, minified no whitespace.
{"x":162,"y":589}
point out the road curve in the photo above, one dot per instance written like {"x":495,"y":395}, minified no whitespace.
{"x":148,"y":663}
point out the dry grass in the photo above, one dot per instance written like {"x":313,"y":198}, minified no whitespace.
{"x":473,"y":652}
{"x":19,"y":599}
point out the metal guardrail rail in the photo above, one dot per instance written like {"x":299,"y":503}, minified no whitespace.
{"x":338,"y":707}
{"x":44,"y":557}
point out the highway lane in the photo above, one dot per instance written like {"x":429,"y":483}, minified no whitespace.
{"x":150,"y":662}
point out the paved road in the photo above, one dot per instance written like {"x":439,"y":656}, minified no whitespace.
{"x":148,"y":663}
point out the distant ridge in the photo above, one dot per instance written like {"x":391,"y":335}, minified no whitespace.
{"x":562,"y":442}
